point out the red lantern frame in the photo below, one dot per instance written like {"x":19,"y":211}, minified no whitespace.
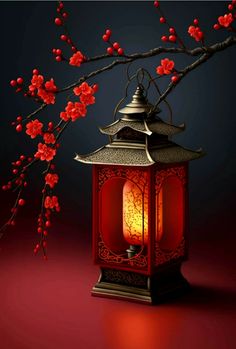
{"x":156,"y":259}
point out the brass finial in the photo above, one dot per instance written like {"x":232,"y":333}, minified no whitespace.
{"x":138,"y":105}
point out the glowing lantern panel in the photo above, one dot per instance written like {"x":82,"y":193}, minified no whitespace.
{"x":135,"y":214}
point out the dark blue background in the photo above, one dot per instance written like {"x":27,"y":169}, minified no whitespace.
{"x":55,"y":296}
{"x":205,"y":100}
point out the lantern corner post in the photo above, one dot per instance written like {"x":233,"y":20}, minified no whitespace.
{"x":151,"y":219}
{"x":95,"y":213}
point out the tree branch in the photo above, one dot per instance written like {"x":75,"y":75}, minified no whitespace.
{"x":36,"y":111}
{"x":230,"y":41}
{"x":182,"y":74}
{"x":209,"y":52}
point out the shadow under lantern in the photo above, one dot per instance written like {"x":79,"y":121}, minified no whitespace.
{"x":140,"y":206}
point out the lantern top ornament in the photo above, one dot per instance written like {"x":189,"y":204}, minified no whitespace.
{"x":139,"y":105}
{"x":140,"y":138}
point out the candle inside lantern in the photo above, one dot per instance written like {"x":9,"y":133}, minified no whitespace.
{"x":135,"y":214}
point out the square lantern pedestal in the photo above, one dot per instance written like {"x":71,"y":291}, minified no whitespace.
{"x":164,"y":285}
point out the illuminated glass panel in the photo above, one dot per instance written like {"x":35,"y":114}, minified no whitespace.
{"x":135,"y":214}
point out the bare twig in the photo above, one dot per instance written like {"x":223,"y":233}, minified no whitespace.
{"x":182,"y":74}
{"x":36,"y":111}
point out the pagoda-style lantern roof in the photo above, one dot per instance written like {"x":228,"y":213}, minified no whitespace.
{"x":140,"y":138}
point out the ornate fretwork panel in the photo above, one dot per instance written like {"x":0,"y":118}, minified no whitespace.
{"x":122,"y":277}
{"x":163,"y":256}
{"x":161,"y":175}
{"x":105,"y":255}
{"x":134,"y":175}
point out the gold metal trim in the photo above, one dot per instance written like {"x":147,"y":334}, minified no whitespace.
{"x":130,"y":145}
{"x":147,"y":152}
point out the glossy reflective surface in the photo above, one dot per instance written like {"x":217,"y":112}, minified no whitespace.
{"x":47,"y":305}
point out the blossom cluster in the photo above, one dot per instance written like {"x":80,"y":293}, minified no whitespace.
{"x":75,"y":110}
{"x":51,"y":202}
{"x":167,"y":67}
{"x":226,"y":20}
{"x":46,"y":91}
{"x":45,"y":152}
{"x":77,"y":59}
{"x":34,"y":128}
{"x":195,"y":32}
{"x":51,"y":179}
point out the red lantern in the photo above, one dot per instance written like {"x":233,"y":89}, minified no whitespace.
{"x":140,"y":206}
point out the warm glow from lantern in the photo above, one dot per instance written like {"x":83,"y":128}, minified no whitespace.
{"x":135,"y":214}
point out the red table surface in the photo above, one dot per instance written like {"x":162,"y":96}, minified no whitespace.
{"x":47,"y":305}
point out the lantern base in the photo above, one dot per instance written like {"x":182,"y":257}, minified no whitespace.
{"x":163,"y":285}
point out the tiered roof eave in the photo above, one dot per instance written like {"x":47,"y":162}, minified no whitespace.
{"x":147,"y":126}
